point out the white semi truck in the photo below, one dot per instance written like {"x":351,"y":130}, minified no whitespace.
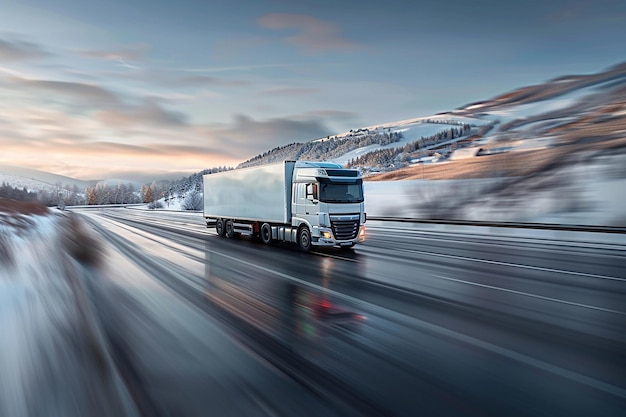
{"x":308,"y":203}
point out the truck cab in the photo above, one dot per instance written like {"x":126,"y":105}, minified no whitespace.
{"x":328,"y":200}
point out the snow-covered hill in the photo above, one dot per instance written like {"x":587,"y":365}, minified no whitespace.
{"x":555,"y":152}
{"x":34,"y":179}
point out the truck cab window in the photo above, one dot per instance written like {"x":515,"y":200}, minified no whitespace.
{"x":341,"y":192}
{"x":311,"y":191}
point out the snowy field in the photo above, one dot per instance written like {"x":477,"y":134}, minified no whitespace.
{"x":586,"y":194}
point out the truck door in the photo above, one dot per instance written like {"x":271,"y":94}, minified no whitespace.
{"x":312,"y":205}
{"x":299,"y":200}
{"x":304,"y":206}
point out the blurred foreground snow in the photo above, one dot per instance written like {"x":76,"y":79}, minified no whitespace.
{"x":48,"y":325}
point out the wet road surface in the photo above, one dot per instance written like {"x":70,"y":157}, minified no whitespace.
{"x":415,"y":321}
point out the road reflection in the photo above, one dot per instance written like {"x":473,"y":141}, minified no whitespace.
{"x":287,"y":302}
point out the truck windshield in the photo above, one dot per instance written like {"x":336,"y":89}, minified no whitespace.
{"x":341,"y":192}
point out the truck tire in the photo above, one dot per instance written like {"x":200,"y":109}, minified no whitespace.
{"x":229,"y":229}
{"x":266,"y":233}
{"x":304,"y":239}
{"x":219,"y":227}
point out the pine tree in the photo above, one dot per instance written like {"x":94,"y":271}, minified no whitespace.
{"x":90,"y":193}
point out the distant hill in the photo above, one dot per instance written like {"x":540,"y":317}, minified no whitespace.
{"x":52,"y":188}
{"x":34,"y":179}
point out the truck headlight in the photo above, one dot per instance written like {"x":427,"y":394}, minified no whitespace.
{"x":327,"y":235}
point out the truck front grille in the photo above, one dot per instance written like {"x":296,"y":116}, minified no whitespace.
{"x":345,"y":229}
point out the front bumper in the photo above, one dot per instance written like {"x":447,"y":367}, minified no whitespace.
{"x":325,"y":237}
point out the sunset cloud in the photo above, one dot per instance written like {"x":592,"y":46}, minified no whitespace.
{"x":76,"y":93}
{"x":150,"y":114}
{"x":124,"y":53}
{"x":12,"y":51}
{"x":311,"y":34}
{"x":207,"y":81}
{"x":290,"y":91}
{"x":256,"y":136}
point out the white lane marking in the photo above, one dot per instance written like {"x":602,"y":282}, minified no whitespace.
{"x":554,"y":246}
{"x":536,"y":363}
{"x":548,"y":241}
{"x":541,"y":297}
{"x":535,"y":268}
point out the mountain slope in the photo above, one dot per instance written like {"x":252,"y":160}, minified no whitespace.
{"x":535,"y":128}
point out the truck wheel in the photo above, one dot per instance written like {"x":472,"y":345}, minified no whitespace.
{"x":229,"y":229}
{"x":266,"y":233}
{"x":304,"y":239}
{"x":219,"y":227}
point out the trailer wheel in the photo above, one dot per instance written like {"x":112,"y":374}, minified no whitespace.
{"x":229,"y":229}
{"x":219,"y":227}
{"x":304,"y":239}
{"x":266,"y":233}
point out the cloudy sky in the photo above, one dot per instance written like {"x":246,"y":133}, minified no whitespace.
{"x":113,"y":88}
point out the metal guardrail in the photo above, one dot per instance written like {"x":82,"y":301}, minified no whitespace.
{"x":101,"y":206}
{"x":512,"y":225}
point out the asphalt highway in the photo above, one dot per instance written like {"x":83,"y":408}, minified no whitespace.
{"x":417,"y":320}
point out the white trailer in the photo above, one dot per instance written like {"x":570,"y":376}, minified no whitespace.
{"x":309,"y":203}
